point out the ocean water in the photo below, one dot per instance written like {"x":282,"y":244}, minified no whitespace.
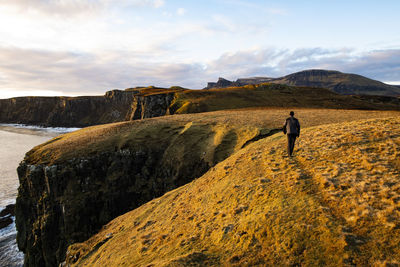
{"x":15,"y":141}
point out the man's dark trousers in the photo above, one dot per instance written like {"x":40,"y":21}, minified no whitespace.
{"x":291,"y":139}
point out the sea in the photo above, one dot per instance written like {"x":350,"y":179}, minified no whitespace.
{"x":15,"y":141}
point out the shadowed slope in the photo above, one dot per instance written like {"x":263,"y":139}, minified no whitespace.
{"x":335,"y":203}
{"x":274,"y":95}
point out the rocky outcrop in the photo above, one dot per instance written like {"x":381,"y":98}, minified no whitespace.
{"x":83,"y":111}
{"x":222,"y":83}
{"x":66,"y":200}
{"x":6,"y":216}
{"x":253,"y":80}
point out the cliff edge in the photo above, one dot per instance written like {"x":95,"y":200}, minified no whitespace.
{"x":114,"y":106}
{"x":73,"y":184}
{"x":149,"y":102}
{"x":336,"y":203}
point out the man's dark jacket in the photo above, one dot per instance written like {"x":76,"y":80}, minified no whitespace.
{"x":292,"y":126}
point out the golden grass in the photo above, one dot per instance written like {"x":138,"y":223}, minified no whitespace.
{"x":337,"y":202}
{"x":152,"y":90}
{"x":251,"y":122}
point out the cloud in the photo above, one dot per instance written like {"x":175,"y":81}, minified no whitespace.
{"x":85,"y":74}
{"x":224,"y":23}
{"x":23,"y":70}
{"x":382,"y":65}
{"x":75,"y":7}
{"x":181,"y":11}
{"x":277,"y":11}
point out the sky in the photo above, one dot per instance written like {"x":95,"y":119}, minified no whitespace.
{"x":87,"y":47}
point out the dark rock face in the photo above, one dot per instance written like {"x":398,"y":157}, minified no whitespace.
{"x":222,"y":83}
{"x":5,"y":216}
{"x":5,"y":221}
{"x":8,"y":210}
{"x":114,"y":106}
{"x":253,"y":80}
{"x":61,"y":204}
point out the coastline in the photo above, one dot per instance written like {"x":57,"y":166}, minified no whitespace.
{"x":16,"y":140}
{"x":35,"y":130}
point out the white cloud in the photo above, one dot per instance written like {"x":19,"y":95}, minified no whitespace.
{"x":181,"y":11}
{"x":24,"y":71}
{"x":158,"y":3}
{"x":74,"y":7}
{"x":224,"y":22}
{"x":277,"y":11}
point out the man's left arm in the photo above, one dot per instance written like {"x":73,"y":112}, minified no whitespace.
{"x":298,"y":128}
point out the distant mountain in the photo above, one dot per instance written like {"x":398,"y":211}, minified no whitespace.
{"x":342,"y":83}
{"x":222,"y":83}
{"x":338,"y":82}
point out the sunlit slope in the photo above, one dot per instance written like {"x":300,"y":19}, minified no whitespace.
{"x":179,"y":130}
{"x":336,"y":202}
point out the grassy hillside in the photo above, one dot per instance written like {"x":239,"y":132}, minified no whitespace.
{"x":211,"y":127}
{"x":153,"y":90}
{"x":272,"y":95}
{"x":335,"y":203}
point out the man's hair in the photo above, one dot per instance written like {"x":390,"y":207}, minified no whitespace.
{"x":291,"y":113}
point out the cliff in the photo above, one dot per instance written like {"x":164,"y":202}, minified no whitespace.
{"x":336,"y":203}
{"x":73,"y":184}
{"x":148,"y":102}
{"x":83,"y":111}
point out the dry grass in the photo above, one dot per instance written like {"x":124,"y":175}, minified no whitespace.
{"x":335,"y":203}
{"x":152,"y":90}
{"x":250,"y":122}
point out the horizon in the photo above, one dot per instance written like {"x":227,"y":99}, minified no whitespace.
{"x":144,"y":86}
{"x":88,"y":47}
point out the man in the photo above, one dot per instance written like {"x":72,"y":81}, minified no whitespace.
{"x":292,"y":129}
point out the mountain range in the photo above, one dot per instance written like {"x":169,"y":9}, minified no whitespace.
{"x":338,"y":82}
